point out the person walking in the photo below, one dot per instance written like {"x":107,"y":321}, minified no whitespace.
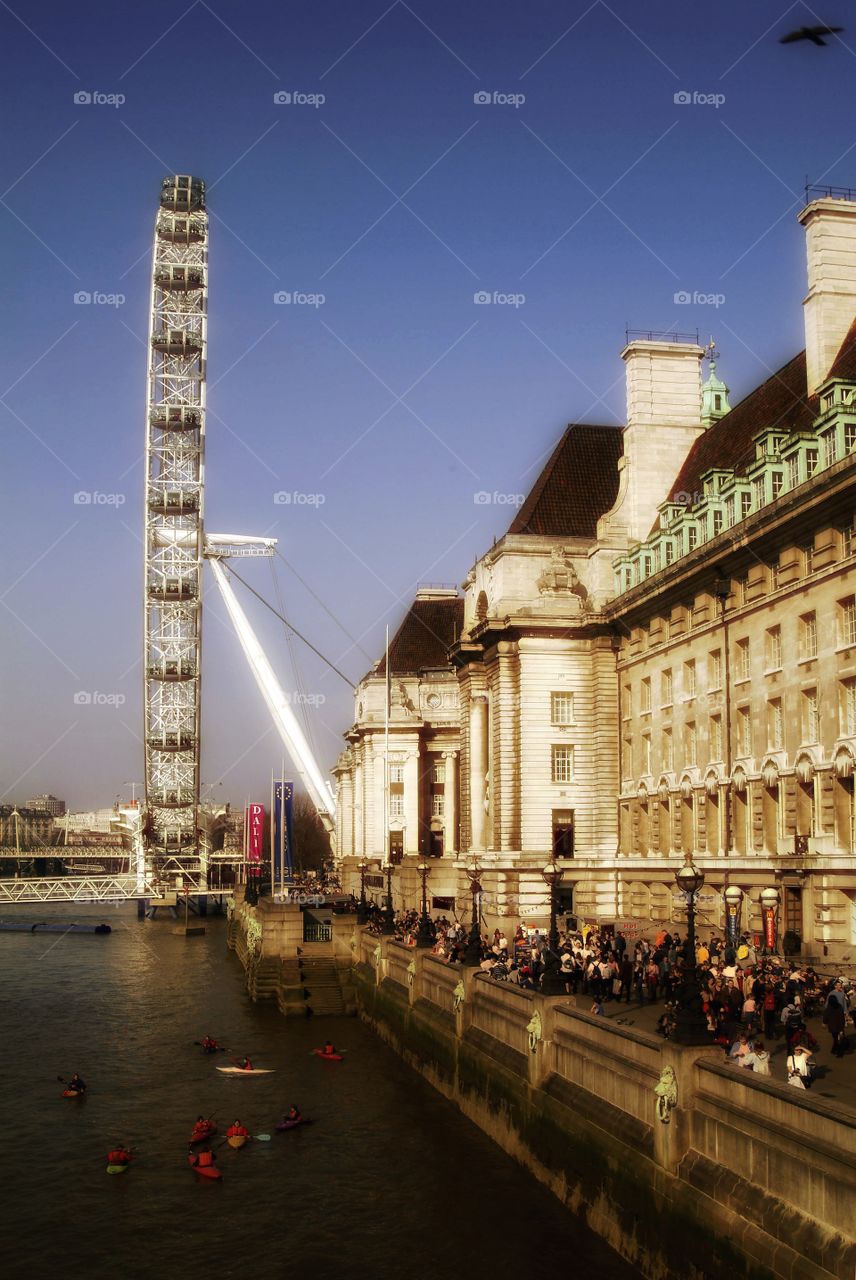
{"x":835,"y":1018}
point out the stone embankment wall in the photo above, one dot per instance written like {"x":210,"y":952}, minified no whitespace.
{"x":302,"y":977}
{"x":742,"y":1177}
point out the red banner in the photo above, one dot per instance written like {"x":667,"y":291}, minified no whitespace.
{"x":255,"y":830}
{"x":770,"y":927}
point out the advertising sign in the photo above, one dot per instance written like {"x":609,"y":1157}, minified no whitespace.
{"x":255,"y":823}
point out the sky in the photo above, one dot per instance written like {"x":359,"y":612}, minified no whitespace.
{"x":431,"y":225}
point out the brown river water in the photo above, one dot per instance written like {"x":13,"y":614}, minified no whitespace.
{"x":389,"y":1182}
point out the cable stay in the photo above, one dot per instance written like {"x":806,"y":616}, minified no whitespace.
{"x":299,"y":685}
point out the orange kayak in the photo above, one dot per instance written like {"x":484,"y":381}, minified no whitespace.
{"x":237,"y":1140}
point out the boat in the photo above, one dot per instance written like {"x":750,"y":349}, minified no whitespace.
{"x":243,"y":1070}
{"x":116,"y":1168}
{"x":205,"y":1170}
{"x":202,"y":1134}
{"x":285,"y":1125}
{"x":331,"y":1057}
{"x":73,"y":1093}
{"x":237,"y":1140}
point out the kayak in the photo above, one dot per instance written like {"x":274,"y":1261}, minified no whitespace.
{"x":285,"y":1125}
{"x":200,"y":1135}
{"x":331,"y":1057}
{"x":213,"y":1048}
{"x":73,"y":1093}
{"x":243,"y":1070}
{"x":237,"y":1140}
{"x":205,"y":1170}
{"x":116,"y":1168}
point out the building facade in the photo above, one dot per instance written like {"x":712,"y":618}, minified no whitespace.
{"x":659,"y":658}
{"x":49,"y":804}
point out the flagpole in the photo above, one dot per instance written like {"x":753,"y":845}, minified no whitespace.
{"x":282,"y":830}
{"x":386,"y":760}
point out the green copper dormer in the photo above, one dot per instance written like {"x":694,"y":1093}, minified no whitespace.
{"x":714,"y":392}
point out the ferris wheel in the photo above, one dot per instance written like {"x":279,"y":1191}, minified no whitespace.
{"x":175,"y":462}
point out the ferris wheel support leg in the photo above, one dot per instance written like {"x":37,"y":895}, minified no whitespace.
{"x":284,"y":718}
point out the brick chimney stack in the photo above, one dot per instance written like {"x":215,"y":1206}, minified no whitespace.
{"x":830,"y":305}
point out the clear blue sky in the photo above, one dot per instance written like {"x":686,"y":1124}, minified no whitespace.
{"x":598,"y":198}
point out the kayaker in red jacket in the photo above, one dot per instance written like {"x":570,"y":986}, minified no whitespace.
{"x":329,"y":1047}
{"x":237,"y":1130}
{"x":120,"y":1155}
{"x":209,"y":1044}
{"x":246,"y":1065}
{"x":205,"y":1158}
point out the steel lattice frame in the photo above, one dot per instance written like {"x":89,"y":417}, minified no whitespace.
{"x":175,"y":456}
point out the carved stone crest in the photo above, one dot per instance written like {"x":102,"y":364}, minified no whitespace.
{"x":560,"y":578}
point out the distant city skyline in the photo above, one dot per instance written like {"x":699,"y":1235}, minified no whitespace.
{"x":416,"y":282}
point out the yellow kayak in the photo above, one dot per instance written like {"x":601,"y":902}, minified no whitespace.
{"x":237,"y":1140}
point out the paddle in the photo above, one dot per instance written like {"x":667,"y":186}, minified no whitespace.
{"x":315,"y":1052}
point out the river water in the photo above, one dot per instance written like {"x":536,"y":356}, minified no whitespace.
{"x":390,"y":1181}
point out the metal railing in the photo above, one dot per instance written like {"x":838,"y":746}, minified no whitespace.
{"x":317,"y":932}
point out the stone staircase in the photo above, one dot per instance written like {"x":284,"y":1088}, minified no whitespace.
{"x":324,"y":986}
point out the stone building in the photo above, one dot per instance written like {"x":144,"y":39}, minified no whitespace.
{"x":659,"y":656}
{"x":421,"y":790}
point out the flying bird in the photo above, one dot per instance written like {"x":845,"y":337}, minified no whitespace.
{"x":814,"y":34}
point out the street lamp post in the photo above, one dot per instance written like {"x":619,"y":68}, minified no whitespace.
{"x":551,"y":979}
{"x":362,"y":906}
{"x":473,"y":953}
{"x":733,"y":902}
{"x":427,"y":933}
{"x":690,"y":1021}
{"x":769,"y":907}
{"x":388,"y":913}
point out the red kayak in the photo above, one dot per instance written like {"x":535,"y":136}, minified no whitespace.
{"x":73,"y":1093}
{"x":203,"y":1132}
{"x":331,"y":1057}
{"x":205,"y":1170}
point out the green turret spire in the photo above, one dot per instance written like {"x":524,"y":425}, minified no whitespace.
{"x":714,"y":392}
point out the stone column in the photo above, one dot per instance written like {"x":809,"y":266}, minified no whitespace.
{"x":478,"y":770}
{"x":450,"y":803}
{"x":377,"y":839}
{"x":411,"y":802}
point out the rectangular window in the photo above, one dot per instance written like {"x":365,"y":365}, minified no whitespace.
{"x":810,"y":717}
{"x":716,"y":737}
{"x":808,"y":558}
{"x":715,"y":669}
{"x":744,"y":732}
{"x":666,"y":687}
{"x":692,"y":536}
{"x":646,"y":753}
{"x":774,"y":576}
{"x":775,"y":725}
{"x":717,"y":523}
{"x":758,"y":492}
{"x":562,"y":708}
{"x":729,"y":512}
{"x":847,"y":717}
{"x":396,"y":805}
{"x":626,"y":702}
{"x":847,"y":541}
{"x":778,"y":483}
{"x":396,"y":773}
{"x":743,"y":590}
{"x":829,"y":443}
{"x":808,"y":636}
{"x":646,"y":694}
{"x":690,"y":743}
{"x":810,"y":462}
{"x":742,"y":663}
{"x":438,"y":772}
{"x":793,"y":470}
{"x":847,"y":621}
{"x":745,"y":504}
{"x":849,"y":437}
{"x":563,"y":763}
{"x":668,"y":750}
{"x":773,"y":649}
{"x":690,"y":678}
{"x":668,"y":552}
{"x":438,"y":801}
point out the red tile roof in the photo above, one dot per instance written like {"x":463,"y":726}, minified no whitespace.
{"x":780,"y":402}
{"x":844,"y":365}
{"x":576,"y":487}
{"x":421,"y":643}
